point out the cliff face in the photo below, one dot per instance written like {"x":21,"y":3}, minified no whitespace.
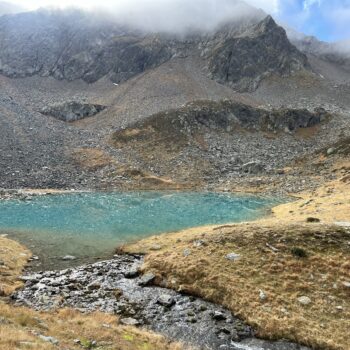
{"x":71,"y":45}
{"x":74,"y":45}
{"x":243,"y":61}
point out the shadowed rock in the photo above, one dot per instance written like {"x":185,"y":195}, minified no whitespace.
{"x":72,"y":111}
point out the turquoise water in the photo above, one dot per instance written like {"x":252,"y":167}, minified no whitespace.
{"x":90,"y":223}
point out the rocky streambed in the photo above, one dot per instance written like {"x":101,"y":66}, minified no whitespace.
{"x":116,"y":286}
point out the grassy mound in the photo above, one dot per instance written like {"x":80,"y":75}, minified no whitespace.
{"x":289,"y":281}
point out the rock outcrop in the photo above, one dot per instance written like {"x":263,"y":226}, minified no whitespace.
{"x":227,"y":116}
{"x":72,"y":111}
{"x":71,"y":45}
{"x":243,"y":60}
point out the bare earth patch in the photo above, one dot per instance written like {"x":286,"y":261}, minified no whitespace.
{"x":91,"y":158}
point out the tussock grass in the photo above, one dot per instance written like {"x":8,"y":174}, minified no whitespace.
{"x":19,"y":329}
{"x":268,"y":263}
{"x":13,"y":257}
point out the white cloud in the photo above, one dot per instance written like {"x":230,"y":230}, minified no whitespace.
{"x":270,"y":6}
{"x":166,"y":15}
{"x":309,"y":3}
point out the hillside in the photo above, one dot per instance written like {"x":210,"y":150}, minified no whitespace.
{"x":93,"y":102}
{"x":132,"y":76}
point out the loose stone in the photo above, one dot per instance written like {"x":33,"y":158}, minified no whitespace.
{"x":304,"y":300}
{"x":233,"y":256}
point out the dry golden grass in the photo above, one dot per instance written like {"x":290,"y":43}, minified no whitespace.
{"x":270,"y":261}
{"x":13,"y":257}
{"x":280,"y":274}
{"x":20,"y":327}
{"x":330,"y":203}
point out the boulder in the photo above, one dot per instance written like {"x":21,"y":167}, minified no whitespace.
{"x":72,"y":111}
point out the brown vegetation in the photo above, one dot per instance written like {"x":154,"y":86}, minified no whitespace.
{"x":20,"y":328}
{"x":278,"y":264}
{"x":13,"y":257}
{"x":91,"y":158}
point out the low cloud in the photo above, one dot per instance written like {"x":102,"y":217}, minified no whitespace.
{"x":177,"y":16}
{"x":166,"y":15}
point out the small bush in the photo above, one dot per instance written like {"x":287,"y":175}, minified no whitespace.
{"x":313,"y":220}
{"x":299,"y":252}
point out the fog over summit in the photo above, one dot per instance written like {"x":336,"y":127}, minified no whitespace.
{"x":170,"y":16}
{"x":179,"y":16}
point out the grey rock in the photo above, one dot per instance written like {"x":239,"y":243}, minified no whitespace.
{"x":304,"y":300}
{"x":346,"y":284}
{"x":129,"y":321}
{"x":51,"y":340}
{"x":253,"y":168}
{"x":147,"y":279}
{"x":132,"y":273}
{"x":166,"y":300}
{"x":233,"y":256}
{"x":218,"y":315}
{"x":72,"y":111}
{"x":262,"y":295}
{"x":187,"y":252}
{"x":68,"y":257}
{"x":330,"y":151}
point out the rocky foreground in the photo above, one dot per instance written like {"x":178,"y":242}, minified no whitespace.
{"x":116,"y":287}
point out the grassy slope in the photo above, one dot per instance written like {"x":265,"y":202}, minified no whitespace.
{"x":270,"y":263}
{"x":20,"y":327}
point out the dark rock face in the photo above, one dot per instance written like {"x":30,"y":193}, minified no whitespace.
{"x":72,"y":111}
{"x":75,"y":45}
{"x":264,"y":49}
{"x":71,"y":45}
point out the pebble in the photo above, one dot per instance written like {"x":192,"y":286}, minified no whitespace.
{"x":186,"y":252}
{"x":233,"y":256}
{"x":68,"y":257}
{"x":129,"y":321}
{"x":304,"y":300}
{"x":262,"y":295}
{"x":166,"y":300}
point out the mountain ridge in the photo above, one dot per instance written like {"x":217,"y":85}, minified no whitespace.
{"x":70,"y":45}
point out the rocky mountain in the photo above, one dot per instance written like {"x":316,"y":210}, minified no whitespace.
{"x":333,"y":52}
{"x":243,"y":60}
{"x":87,"y":102}
{"x":75,"y":45}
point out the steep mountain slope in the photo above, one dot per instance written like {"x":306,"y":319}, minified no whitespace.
{"x":53,"y":61}
{"x":262,"y":50}
{"x":330,"y":59}
{"x":75,"y":45}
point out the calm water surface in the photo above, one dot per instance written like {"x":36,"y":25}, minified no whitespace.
{"x":86,"y":224}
